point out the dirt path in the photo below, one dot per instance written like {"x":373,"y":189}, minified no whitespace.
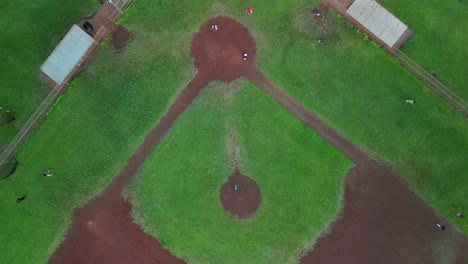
{"x":383,"y":220}
{"x":102,"y":231}
{"x":303,"y":114}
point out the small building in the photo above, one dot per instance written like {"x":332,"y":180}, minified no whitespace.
{"x":374,"y":20}
{"x":67,"y":58}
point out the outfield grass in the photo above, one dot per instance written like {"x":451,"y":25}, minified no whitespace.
{"x":30,"y":31}
{"x":176,"y":194}
{"x":439,"y":40}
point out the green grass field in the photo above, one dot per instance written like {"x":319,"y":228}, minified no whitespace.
{"x":349,"y":82}
{"x":175,"y":196}
{"x":31,"y":30}
{"x":439,"y":40}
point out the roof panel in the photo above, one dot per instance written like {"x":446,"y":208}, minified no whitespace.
{"x":67,"y":54}
{"x":377,"y":20}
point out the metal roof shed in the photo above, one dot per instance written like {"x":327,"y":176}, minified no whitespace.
{"x":379,"y":21}
{"x":67,"y":55}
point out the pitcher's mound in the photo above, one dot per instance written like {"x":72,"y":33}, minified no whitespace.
{"x":240,"y":196}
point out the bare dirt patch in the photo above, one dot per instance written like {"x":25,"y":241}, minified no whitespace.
{"x":315,"y":25}
{"x":383,"y":221}
{"x":218,"y":53}
{"x":240,"y":196}
{"x":120,"y":37}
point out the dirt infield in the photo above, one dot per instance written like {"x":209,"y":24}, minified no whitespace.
{"x":219,"y":52}
{"x":120,"y":37}
{"x":243,"y":202}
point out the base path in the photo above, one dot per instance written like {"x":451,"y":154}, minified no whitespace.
{"x":103,"y":232}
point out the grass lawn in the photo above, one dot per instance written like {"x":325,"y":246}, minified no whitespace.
{"x":439,"y":40}
{"x":175,"y":195}
{"x":31,"y":30}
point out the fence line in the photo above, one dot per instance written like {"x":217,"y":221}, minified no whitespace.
{"x":33,"y":122}
{"x":30,"y":125}
{"x":443,"y":91}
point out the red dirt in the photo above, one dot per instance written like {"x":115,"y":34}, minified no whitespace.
{"x":120,"y":37}
{"x":322,"y":20}
{"x":102,"y":19}
{"x":383,"y":221}
{"x":219,"y":53}
{"x":241,"y":203}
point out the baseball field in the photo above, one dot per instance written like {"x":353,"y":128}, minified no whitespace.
{"x":335,"y":166}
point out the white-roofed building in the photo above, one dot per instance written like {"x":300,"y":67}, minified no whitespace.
{"x":68,"y":55}
{"x":377,"y":20}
